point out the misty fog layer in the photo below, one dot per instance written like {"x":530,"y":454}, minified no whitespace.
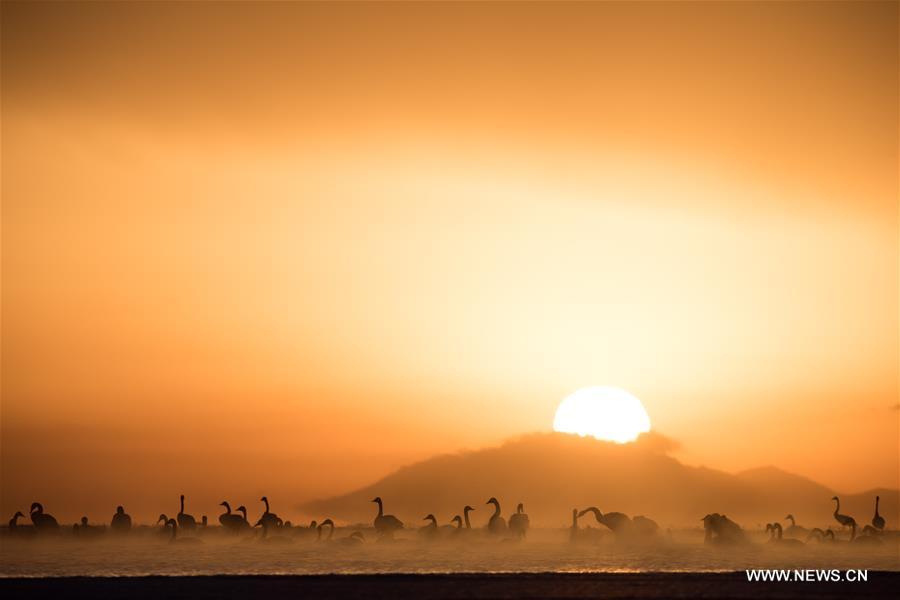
{"x":550,"y":550}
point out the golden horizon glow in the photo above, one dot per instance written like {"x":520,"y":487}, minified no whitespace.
{"x":604,"y":413}
{"x":241,"y":240}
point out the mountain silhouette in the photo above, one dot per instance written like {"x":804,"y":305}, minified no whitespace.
{"x":553,"y":473}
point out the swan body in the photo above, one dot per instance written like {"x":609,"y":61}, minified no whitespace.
{"x":466,"y":512}
{"x":230,"y":521}
{"x":268,"y":518}
{"x":844,"y":520}
{"x":43,"y":522}
{"x":429,"y":532}
{"x":617,"y":522}
{"x":719,"y":529}
{"x":173,"y":524}
{"x":185,"y":521}
{"x":794,"y":530}
{"x":780,"y":540}
{"x":878,"y":520}
{"x":496,"y":524}
{"x":121,"y":521}
{"x":386,"y":525}
{"x":519,"y":522}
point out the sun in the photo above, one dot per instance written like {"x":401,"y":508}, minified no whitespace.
{"x":607,"y":413}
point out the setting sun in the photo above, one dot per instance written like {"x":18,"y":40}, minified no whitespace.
{"x":606,"y":413}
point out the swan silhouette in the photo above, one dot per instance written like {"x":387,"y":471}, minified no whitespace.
{"x":719,"y":529}
{"x":794,"y":529}
{"x":878,"y":520}
{"x":385,"y":525}
{"x":574,"y":532}
{"x":230,"y":521}
{"x":782,"y":541}
{"x":354,"y":539}
{"x":496,"y":524}
{"x":429,"y":532}
{"x":177,"y":540}
{"x":618,"y":523}
{"x":268,"y":518}
{"x":466,"y":512}
{"x":20,"y":530}
{"x":844,"y":520}
{"x":121,"y":521}
{"x":455,"y":529}
{"x":43,"y":522}
{"x":816,"y":534}
{"x":519,"y":522}
{"x":326,"y":523}
{"x":185,"y":521}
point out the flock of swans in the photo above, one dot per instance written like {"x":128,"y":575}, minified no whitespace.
{"x":270,"y":528}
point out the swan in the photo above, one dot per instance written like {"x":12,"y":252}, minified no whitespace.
{"x":267,"y":523}
{"x":177,"y":540}
{"x":644,"y":525}
{"x":354,"y":539}
{"x":268,"y":518}
{"x":817,"y":534}
{"x":20,"y":530}
{"x":429,"y":531}
{"x":868,"y":538}
{"x":42,"y":521}
{"x":385,"y":525}
{"x":617,"y":522}
{"x":776,"y":529}
{"x":519,"y":522}
{"x":573,"y":530}
{"x":454,"y":529}
{"x":844,"y":520}
{"x":878,"y":520}
{"x":794,"y":529}
{"x":121,"y":521}
{"x":326,"y":523}
{"x":719,"y":529}
{"x":185,"y":521}
{"x":496,"y":525}
{"x":229,"y":520}
{"x":466,"y":512}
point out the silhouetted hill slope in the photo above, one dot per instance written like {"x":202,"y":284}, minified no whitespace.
{"x":553,"y":473}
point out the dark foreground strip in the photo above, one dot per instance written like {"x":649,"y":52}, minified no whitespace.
{"x":375,"y":587}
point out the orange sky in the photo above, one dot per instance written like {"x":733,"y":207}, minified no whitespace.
{"x":287,"y":248}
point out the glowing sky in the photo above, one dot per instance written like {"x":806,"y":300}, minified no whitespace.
{"x":293,"y":247}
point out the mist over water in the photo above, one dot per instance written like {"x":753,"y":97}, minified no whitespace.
{"x":148,"y":552}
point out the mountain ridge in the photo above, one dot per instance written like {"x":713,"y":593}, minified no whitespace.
{"x":553,"y":473}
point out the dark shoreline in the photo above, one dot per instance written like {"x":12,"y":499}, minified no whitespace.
{"x":880,"y":584}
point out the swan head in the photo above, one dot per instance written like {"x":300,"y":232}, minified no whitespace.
{"x":520,"y":508}
{"x":36,"y":507}
{"x":834,"y":498}
{"x":84,"y":521}
{"x":768,"y":527}
{"x":313,"y":524}
{"x":789,"y":517}
{"x":468,"y":508}
{"x":264,"y":499}
{"x":182,"y":497}
{"x":328,"y":522}
{"x":377,"y":499}
{"x":456,"y":519}
{"x":172,"y":523}
{"x":120,"y":510}
{"x":223,"y":503}
{"x":430,"y":517}
{"x":163,"y":519}
{"x":18,"y":514}
{"x":493,"y":501}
